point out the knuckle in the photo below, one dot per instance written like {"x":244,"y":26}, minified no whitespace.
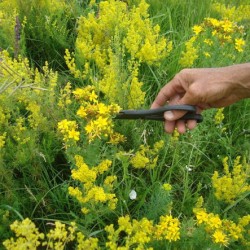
{"x":182,"y":76}
{"x":197,"y":93}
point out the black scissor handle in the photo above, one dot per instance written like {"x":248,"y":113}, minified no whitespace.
{"x":158,"y":114}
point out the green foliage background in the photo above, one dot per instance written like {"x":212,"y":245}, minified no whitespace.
{"x":34,"y":177}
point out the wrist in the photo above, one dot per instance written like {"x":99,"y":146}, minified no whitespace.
{"x":240,"y":76}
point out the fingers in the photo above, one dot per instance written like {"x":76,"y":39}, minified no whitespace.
{"x":165,"y":94}
{"x":174,"y":114}
{"x":169,"y":126}
{"x":191,"y":124}
{"x":180,"y":125}
{"x":175,"y":93}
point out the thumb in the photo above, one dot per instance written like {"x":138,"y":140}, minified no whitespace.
{"x":174,"y":115}
{"x":177,"y":114}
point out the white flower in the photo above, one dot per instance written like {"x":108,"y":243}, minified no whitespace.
{"x":189,"y":168}
{"x":132,"y":195}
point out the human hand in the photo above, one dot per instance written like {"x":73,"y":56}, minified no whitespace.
{"x":205,"y":88}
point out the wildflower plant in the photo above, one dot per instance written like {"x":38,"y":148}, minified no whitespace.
{"x":222,"y":231}
{"x":72,"y":177}
{"x":140,"y":233}
{"x":27,"y":234}
{"x":95,"y":118}
{"x":232,"y":12}
{"x":29,"y":237}
{"x":89,"y":193}
{"x":211,"y":35}
{"x":115,"y":41}
{"x":146,"y":157}
{"x":233,"y":183}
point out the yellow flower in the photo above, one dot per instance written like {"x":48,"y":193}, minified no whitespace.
{"x":88,"y":193}
{"x":72,"y":134}
{"x":147,"y":157}
{"x":101,"y":122}
{"x":232,"y":12}
{"x":2,"y":139}
{"x":201,"y":216}
{"x":116,"y":138}
{"x":82,"y":112}
{"x":97,"y":194}
{"x":232,"y":184}
{"x":214,"y":221}
{"x":84,"y":243}
{"x":227,"y":26}
{"x":208,"y":41}
{"x":207,"y":54}
{"x":197,"y":29}
{"x":125,"y":224}
{"x":98,"y":117}
{"x":190,"y":55}
{"x":83,"y":173}
{"x":239,"y":44}
{"x":167,"y":186}
{"x":117,"y":41}
{"x":139,"y":160}
{"x":93,"y":96}
{"x":69,"y":130}
{"x":28,"y":236}
{"x":220,"y":238}
{"x":103,"y":166}
{"x":65,"y":96}
{"x":168,"y":228}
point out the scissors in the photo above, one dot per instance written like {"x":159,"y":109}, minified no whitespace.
{"x":158,"y":113}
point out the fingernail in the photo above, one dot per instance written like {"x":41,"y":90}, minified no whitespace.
{"x":168,"y":115}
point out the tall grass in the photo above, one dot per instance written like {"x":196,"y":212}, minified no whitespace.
{"x":36,"y":174}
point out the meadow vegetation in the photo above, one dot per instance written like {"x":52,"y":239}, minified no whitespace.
{"x":72,"y":177}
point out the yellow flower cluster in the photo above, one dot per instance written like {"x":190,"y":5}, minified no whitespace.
{"x":96,"y":117}
{"x":70,"y":61}
{"x":167,"y":186}
{"x":60,"y":236}
{"x":97,"y":114}
{"x":175,"y":137}
{"x":18,"y":131}
{"x":69,"y":130}
{"x":140,"y":233}
{"x":191,"y":53}
{"x":222,"y":231}
{"x":210,"y":35}
{"x":146,"y":157}
{"x":89,"y":194}
{"x":117,"y":39}
{"x":22,"y":80}
{"x":219,"y":116}
{"x":24,"y":89}
{"x":65,"y":96}
{"x":34,"y":118}
{"x":239,"y":44}
{"x":27,"y":236}
{"x":225,"y":30}
{"x":232,"y":184}
{"x":168,"y":228}
{"x":233,"y":13}
{"x":2,"y":139}
{"x":51,"y":6}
